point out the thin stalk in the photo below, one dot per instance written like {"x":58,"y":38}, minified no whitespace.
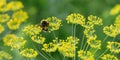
{"x":74,"y":42}
{"x":82,"y":42}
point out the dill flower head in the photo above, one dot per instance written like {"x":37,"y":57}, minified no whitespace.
{"x":109,"y":57}
{"x":94,"y":43}
{"x":15,"y":5}
{"x":85,"y":55}
{"x":5,"y":55}
{"x":1,"y":28}
{"x":29,"y":53}
{"x":90,"y":33}
{"x":2,"y":3}
{"x":114,"y":47}
{"x":68,"y":46}
{"x":88,"y":25}
{"x":95,"y":20}
{"x":54,"y":23}
{"x":115,"y":10}
{"x":76,"y":19}
{"x":110,"y":30}
{"x":20,"y":15}
{"x":38,"y":39}
{"x":32,"y":30}
{"x":52,"y":46}
{"x":4,"y":18}
{"x":13,"y":24}
{"x":9,"y":39}
{"x":19,"y":43}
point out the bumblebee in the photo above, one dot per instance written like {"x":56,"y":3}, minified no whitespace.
{"x":44,"y":25}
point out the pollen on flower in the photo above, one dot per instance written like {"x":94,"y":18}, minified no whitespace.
{"x":4,"y":18}
{"x":94,"y":43}
{"x":29,"y":53}
{"x":15,"y":5}
{"x":85,"y":55}
{"x":114,"y":47}
{"x":13,"y":24}
{"x":32,"y":30}
{"x":38,"y":39}
{"x":109,"y":57}
{"x":110,"y":30}
{"x":115,"y":10}
{"x":20,"y":15}
{"x":1,"y":28}
{"x":95,"y":20}
{"x":5,"y":55}
{"x":54,"y":23}
{"x":76,"y":19}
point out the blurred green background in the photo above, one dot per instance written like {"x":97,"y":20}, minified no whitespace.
{"x":41,"y":9}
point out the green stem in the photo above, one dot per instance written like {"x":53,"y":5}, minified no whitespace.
{"x":74,"y":42}
{"x":82,"y":42}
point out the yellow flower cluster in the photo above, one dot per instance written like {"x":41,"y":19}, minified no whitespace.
{"x":5,"y":55}
{"x":109,"y":57}
{"x":54,"y":23}
{"x":94,"y":43}
{"x":110,"y":30}
{"x":117,"y":23}
{"x":31,"y":30}
{"x":13,"y":24}
{"x":114,"y":47}
{"x":76,"y":18}
{"x":38,"y":39}
{"x":29,"y":53}
{"x":115,"y":10}
{"x":1,"y":28}
{"x":13,"y":41}
{"x":4,"y":18}
{"x":20,"y":16}
{"x":65,"y":47}
{"x":85,"y":55}
{"x":52,"y":46}
{"x":95,"y":20}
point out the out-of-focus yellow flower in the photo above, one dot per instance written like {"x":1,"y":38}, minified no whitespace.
{"x":115,"y":10}
{"x":54,"y":23}
{"x":13,"y":24}
{"x":85,"y":55}
{"x":109,"y":57}
{"x":9,"y":39}
{"x":29,"y":53}
{"x":38,"y":39}
{"x":15,"y":5}
{"x":32,"y":30}
{"x":110,"y":30}
{"x":114,"y":47}
{"x":1,"y":28}
{"x":5,"y":55}
{"x":20,"y":15}
{"x":94,"y":43}
{"x":117,"y":23}
{"x":2,"y":3}
{"x":68,"y":46}
{"x":4,"y":18}
{"x":76,"y":19}
{"x":95,"y":20}
{"x":19,"y":43}
{"x":4,"y":8}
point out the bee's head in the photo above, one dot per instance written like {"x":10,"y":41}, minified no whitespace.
{"x":44,"y":23}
